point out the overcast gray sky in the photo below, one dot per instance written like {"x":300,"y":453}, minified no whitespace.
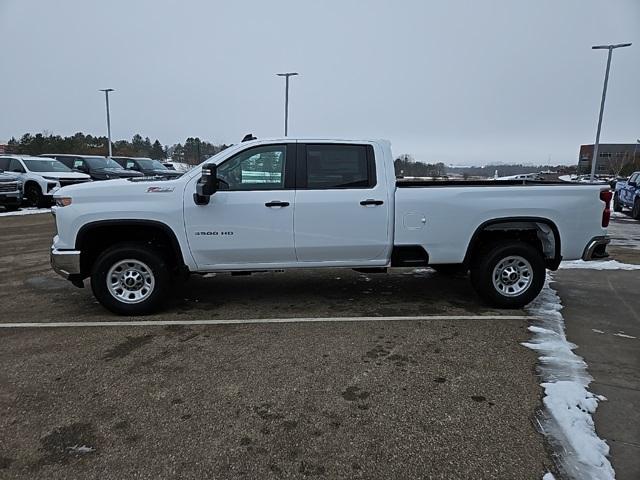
{"x":464,"y":82}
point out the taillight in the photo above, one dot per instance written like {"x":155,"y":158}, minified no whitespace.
{"x":606,"y":196}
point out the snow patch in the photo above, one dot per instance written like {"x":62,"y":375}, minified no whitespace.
{"x":25,"y":211}
{"x":598,"y":265}
{"x":595,"y":330}
{"x":568,"y":403}
{"x":81,"y":449}
{"x":548,"y":476}
{"x":623,"y":335}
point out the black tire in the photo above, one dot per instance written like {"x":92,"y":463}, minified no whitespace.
{"x":487,"y":260}
{"x":635,"y":212}
{"x":617,"y":206}
{"x":33,"y":195}
{"x":150,"y":258}
{"x":450,"y":269}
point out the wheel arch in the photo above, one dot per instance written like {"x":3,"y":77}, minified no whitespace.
{"x":95,"y":237}
{"x":546,"y":231}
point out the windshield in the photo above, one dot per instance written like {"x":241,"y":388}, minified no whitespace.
{"x":101,"y":162}
{"x":148,"y":164}
{"x":45,"y":165}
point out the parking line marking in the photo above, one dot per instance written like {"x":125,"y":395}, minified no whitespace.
{"x":151,"y":323}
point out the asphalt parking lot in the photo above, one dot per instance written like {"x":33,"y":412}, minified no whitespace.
{"x":448,"y":398}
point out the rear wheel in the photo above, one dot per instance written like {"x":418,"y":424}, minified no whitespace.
{"x":508,"y":274}
{"x":617,"y":206}
{"x":130,"y":279}
{"x":635,"y":212}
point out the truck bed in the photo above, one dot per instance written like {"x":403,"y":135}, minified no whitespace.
{"x":401,"y":183}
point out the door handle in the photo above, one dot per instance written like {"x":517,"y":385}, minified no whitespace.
{"x":276,"y":203}
{"x":371,"y":201}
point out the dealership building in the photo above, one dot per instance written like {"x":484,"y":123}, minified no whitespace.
{"x":607,"y":153}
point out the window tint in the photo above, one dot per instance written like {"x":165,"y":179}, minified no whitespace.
{"x":340,"y":166}
{"x":260,"y":168}
{"x":4,"y":164}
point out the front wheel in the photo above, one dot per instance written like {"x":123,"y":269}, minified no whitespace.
{"x":635,"y":212}
{"x":33,"y":195}
{"x":130,"y":279}
{"x":617,"y":206}
{"x":508,"y":274}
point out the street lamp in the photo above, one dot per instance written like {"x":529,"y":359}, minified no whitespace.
{"x":286,"y":99}
{"x":596,"y":146}
{"x":106,"y":97}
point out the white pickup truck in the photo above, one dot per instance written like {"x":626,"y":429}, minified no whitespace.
{"x":300,"y":203}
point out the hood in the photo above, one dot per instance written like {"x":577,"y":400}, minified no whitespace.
{"x":163,"y":173}
{"x":65,"y":175}
{"x":119,"y":188}
{"x":118,"y":172}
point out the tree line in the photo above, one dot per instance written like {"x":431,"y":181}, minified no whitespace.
{"x":193,"y":151}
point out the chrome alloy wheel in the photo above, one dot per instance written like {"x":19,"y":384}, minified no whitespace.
{"x":130,"y":281}
{"x":512,"y":276}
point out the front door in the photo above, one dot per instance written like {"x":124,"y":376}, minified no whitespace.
{"x":342,"y":206}
{"x":249,"y":221}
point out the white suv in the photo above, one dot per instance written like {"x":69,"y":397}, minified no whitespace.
{"x":40,"y":177}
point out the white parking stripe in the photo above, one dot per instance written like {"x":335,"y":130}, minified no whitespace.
{"x":150,"y":323}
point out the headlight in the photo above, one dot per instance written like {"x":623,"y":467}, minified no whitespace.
{"x":51,"y":178}
{"x":63,"y":201}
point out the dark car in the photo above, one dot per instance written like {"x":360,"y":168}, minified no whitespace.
{"x":99,"y":168}
{"x":147,"y":166}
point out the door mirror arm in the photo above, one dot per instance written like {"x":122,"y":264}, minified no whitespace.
{"x":207,"y":185}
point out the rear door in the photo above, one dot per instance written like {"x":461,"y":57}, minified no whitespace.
{"x":628,"y":190}
{"x":342,"y":206}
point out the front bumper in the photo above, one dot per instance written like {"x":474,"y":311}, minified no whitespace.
{"x":11,"y":199}
{"x":596,"y":248}
{"x":65,"y":263}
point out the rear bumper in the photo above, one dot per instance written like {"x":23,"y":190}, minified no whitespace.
{"x":596,"y":248}
{"x":65,"y":263}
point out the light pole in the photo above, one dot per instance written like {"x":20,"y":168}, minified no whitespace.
{"x":286,"y":99}
{"x":106,"y":97}
{"x":596,"y":145}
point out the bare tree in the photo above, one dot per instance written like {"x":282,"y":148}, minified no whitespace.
{"x":618,"y":162}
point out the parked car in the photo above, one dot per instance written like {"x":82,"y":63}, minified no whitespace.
{"x":146,"y":166}
{"x":627,"y":195}
{"x":271,"y":205}
{"x":99,"y":168}
{"x":10,"y":191}
{"x":40,"y":177}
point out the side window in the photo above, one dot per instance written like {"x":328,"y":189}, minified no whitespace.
{"x":131,"y":165}
{"x":340,"y":166}
{"x":16,"y":166}
{"x":78,"y":163}
{"x":260,"y":168}
{"x":4,"y":164}
{"x":634,"y":178}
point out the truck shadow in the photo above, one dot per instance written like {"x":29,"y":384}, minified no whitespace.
{"x":330,"y":293}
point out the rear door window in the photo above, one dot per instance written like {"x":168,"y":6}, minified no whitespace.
{"x":4,"y":164}
{"x":330,"y":166}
